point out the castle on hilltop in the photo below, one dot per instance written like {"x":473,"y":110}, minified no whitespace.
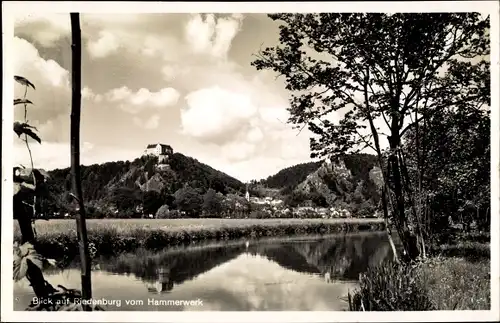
{"x":162,"y":151}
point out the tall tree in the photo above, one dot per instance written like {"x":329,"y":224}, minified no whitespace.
{"x":373,"y":70}
{"x":152,"y":202}
{"x":189,"y":200}
{"x":76,"y":84}
{"x":212,"y":203}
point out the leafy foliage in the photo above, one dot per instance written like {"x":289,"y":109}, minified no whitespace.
{"x":212,"y":203}
{"x":189,"y":200}
{"x":372,"y":58}
{"x":28,"y":182}
{"x":126,"y":198}
{"x":454,"y":148}
{"x":190,"y":170}
{"x":58,"y":239}
{"x":152,"y":202}
{"x":163,"y":212}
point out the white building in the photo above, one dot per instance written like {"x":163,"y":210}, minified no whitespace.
{"x":160,"y":150}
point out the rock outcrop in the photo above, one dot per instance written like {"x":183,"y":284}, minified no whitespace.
{"x":335,"y":182}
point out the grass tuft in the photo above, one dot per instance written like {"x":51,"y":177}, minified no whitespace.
{"x":390,"y":287}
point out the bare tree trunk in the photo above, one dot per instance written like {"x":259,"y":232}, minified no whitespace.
{"x":418,"y":210}
{"x":384,"y":177}
{"x":75,"y":157}
{"x":387,"y":226}
{"x":415,"y":206}
{"x":395,"y":168}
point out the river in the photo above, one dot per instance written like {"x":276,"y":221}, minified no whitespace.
{"x":306,"y":273}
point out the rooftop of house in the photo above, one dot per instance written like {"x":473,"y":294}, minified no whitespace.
{"x":163,"y":146}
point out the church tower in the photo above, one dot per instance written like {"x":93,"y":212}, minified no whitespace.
{"x":247,"y":195}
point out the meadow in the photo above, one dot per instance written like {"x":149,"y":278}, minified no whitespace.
{"x":109,"y":237}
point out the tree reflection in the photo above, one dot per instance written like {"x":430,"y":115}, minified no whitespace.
{"x":333,"y":258}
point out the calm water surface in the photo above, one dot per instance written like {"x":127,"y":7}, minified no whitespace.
{"x":308,"y":273}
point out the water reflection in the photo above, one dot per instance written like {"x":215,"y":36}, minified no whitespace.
{"x":163,"y":284}
{"x":162,"y":271}
{"x":306,"y":273}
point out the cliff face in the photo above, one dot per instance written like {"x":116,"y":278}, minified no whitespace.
{"x":336,"y":183}
{"x":330,"y":180}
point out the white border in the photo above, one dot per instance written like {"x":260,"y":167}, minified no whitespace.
{"x":11,"y":8}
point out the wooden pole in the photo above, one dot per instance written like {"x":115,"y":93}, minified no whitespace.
{"x":76,"y":84}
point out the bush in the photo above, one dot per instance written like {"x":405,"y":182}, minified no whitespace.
{"x":258,"y":214}
{"x":212,"y":203}
{"x":390,"y":287}
{"x":152,"y":202}
{"x":163,"y":212}
{"x":175,"y":214}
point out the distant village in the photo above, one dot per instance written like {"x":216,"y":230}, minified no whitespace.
{"x":268,"y":204}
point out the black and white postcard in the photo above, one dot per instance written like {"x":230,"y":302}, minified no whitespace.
{"x":254,"y":161}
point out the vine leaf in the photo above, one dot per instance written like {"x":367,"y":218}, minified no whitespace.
{"x":22,"y":256}
{"x":22,"y":101}
{"x":23,"y":188}
{"x":20,"y":128}
{"x":26,"y":175}
{"x":23,"y":81}
{"x":51,"y":262}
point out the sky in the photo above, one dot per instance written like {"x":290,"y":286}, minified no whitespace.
{"x":178,"y":79}
{"x":184,"y":80}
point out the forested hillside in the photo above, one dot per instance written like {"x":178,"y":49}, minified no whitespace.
{"x":290,"y":176}
{"x":350,"y":183}
{"x":184,"y":185}
{"x":123,"y":185}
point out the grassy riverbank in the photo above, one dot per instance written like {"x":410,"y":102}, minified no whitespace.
{"x":456,"y":283}
{"x":455,"y":277}
{"x":57,"y":238}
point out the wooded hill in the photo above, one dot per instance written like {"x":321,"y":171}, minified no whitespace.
{"x":124,"y":182}
{"x":120,"y":189}
{"x":352,"y":183}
